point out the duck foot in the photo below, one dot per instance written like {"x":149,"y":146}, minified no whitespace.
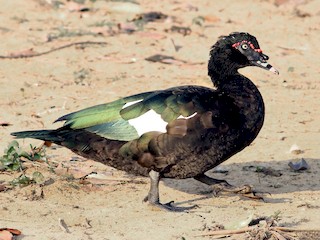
{"x":170,"y":207}
{"x":223,"y":186}
{"x":153,"y":196}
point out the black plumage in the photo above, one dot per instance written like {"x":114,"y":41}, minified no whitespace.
{"x":204,"y":127}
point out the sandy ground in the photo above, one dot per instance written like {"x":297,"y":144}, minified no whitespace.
{"x":36,"y":91}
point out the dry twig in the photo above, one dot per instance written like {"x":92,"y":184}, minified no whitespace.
{"x":35,"y":54}
{"x":251,"y":228}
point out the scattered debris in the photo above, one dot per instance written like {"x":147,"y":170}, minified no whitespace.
{"x":169,"y":60}
{"x":198,"y":21}
{"x":265,"y":170}
{"x":211,"y":18}
{"x":63,"y":225}
{"x":242,"y":223}
{"x":5,"y":124}
{"x":269,"y":171}
{"x":80,"y":76}
{"x":299,"y":165}
{"x":221,"y":169}
{"x":265,"y":228}
{"x":140,"y":20}
{"x":179,"y":29}
{"x":164,"y":59}
{"x":30,"y":53}
{"x":295,"y":149}
{"x":2,"y":188}
{"x":176,"y":47}
{"x":308,"y":205}
{"x":150,"y":17}
{"x":63,"y":32}
{"x":76,"y":7}
{"x":8,"y":233}
{"x":301,"y":14}
{"x":88,"y":223}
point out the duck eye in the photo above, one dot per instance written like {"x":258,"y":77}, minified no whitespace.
{"x":244,"y":46}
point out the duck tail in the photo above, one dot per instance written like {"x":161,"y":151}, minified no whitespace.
{"x":45,"y":135}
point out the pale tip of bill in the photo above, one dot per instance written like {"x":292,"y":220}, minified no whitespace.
{"x":275,"y":71}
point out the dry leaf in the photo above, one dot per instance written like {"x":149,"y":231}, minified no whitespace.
{"x":5,"y":235}
{"x":13,"y":231}
{"x":211,"y":18}
{"x":178,"y":29}
{"x":5,"y":124}
{"x":150,"y":17}
{"x":2,"y":187}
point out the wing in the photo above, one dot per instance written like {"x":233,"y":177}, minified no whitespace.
{"x":113,"y":120}
{"x":195,"y":116}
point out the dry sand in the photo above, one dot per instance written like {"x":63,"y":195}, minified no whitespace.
{"x":36,"y":91}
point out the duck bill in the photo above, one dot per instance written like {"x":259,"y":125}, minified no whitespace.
{"x":265,"y":66}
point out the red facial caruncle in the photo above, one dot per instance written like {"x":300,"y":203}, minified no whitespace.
{"x":236,"y":45}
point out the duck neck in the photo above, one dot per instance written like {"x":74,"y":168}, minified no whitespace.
{"x":226,"y":78}
{"x":223,"y":65}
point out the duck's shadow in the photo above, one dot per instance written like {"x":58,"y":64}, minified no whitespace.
{"x":280,"y":178}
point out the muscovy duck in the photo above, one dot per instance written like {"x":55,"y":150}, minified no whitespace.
{"x":181,"y":132}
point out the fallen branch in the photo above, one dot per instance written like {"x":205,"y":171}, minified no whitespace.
{"x":30,"y":54}
{"x":278,"y":235}
{"x":225,"y":232}
{"x":247,"y":229}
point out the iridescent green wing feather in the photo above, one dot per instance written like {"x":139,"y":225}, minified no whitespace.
{"x":170,"y":104}
{"x":111,"y":120}
{"x":105,"y":119}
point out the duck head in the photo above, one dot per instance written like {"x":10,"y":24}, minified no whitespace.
{"x":237,"y":50}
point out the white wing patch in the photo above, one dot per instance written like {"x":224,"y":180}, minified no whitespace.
{"x":131,"y":103}
{"x":192,"y":115}
{"x":150,"y":121}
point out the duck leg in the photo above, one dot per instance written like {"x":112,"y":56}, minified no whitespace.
{"x":223,"y":185}
{"x":153,"y":195}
